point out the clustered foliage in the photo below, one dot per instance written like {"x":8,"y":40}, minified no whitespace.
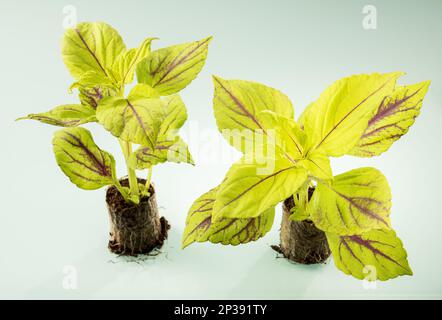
{"x":149,"y":116}
{"x":361,"y":115}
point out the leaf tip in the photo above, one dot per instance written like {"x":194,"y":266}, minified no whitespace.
{"x":22,"y":118}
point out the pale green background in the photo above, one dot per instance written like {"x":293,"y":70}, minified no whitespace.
{"x":299,"y":47}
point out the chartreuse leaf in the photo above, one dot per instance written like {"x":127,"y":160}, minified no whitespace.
{"x":91,"y":46}
{"x":237,"y":104}
{"x":289,"y":136}
{"x":134,"y":120}
{"x":173,"y":150}
{"x":91,"y":96}
{"x":337,"y":119}
{"x":125,"y":64}
{"x":201,"y":227}
{"x":373,"y":255}
{"x":93,"y":79}
{"x":142,"y":90}
{"x":68,"y":115}
{"x":292,"y":140}
{"x":169,"y":146}
{"x":248,"y":191}
{"x":169,"y":70}
{"x":392,"y":120}
{"x":85,"y":164}
{"x":354,"y":202}
{"x":318,"y":166}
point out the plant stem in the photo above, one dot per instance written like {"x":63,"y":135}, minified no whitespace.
{"x":149,"y":178}
{"x":126,"y":146}
{"x":121,"y":190}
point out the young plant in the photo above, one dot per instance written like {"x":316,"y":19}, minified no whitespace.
{"x":347,"y":214}
{"x":149,"y":116}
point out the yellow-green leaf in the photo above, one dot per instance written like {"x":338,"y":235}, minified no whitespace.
{"x":169,"y":70}
{"x":93,"y":79}
{"x":392,"y":120}
{"x":201,"y":227}
{"x":85,"y":164}
{"x":337,"y":119}
{"x":249,"y":190}
{"x":374,"y":255}
{"x":142,"y":90}
{"x":174,"y":115}
{"x":317,"y":165}
{"x":174,"y":150}
{"x":68,"y":115}
{"x":237,"y":104}
{"x":354,"y":202}
{"x":168,"y":146}
{"x":91,"y":46}
{"x":289,"y":136}
{"x":126,"y":62}
{"x":135,"y":120}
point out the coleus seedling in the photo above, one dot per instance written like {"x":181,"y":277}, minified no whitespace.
{"x":149,"y":116}
{"x":361,"y":115}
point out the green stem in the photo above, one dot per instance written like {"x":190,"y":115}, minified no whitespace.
{"x":133,"y":181}
{"x":121,"y":190}
{"x":149,"y":178}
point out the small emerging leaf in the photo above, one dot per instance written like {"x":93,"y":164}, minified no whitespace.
{"x":68,"y":115}
{"x":317,"y":165}
{"x":354,"y":202}
{"x":374,"y":255}
{"x":85,"y":164}
{"x":169,"y":70}
{"x":126,"y":62}
{"x":201,"y":227}
{"x":290,"y":137}
{"x":392,"y":120}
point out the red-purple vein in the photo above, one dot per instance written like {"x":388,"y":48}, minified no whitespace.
{"x":175,"y":63}
{"x":90,"y":51}
{"x":352,"y":110}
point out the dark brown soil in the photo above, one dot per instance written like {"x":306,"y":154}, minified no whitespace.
{"x":135,"y":229}
{"x":301,"y":241}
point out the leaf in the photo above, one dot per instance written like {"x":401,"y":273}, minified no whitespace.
{"x":317,"y":165}
{"x":85,"y":164}
{"x":247,"y":192}
{"x":335,"y":122}
{"x":378,"y":251}
{"x":175,"y":114}
{"x":91,"y":46}
{"x":237,"y":104}
{"x":135,"y":120}
{"x":392,"y":120}
{"x":68,"y":115}
{"x":125,"y":64}
{"x":91,"y":96}
{"x":169,"y":146}
{"x":290,"y":137}
{"x":142,"y":90}
{"x":169,"y":70}
{"x":175,"y":150}
{"x":92,"y":79}
{"x":355,"y":202}
{"x":200,"y":227}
